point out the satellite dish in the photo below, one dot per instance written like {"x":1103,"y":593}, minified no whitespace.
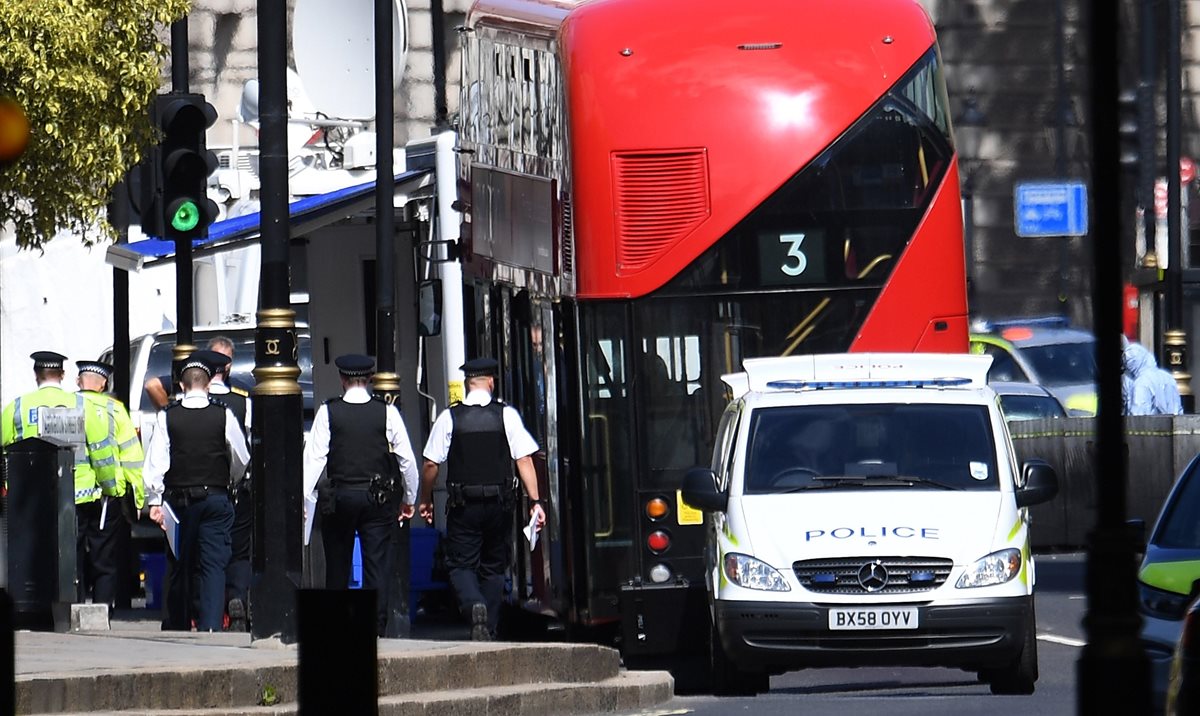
{"x":248,"y":106}
{"x":333,"y":42}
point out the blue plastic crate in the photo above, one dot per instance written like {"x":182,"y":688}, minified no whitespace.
{"x":154,"y":567}
{"x":422,"y":545}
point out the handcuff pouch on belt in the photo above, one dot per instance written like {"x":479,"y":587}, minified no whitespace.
{"x":458,"y":494}
{"x":382,"y":489}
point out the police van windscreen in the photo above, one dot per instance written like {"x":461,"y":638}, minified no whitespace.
{"x":887,"y":446}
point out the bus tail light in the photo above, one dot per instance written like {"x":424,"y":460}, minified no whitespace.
{"x":657,"y":508}
{"x":658,"y":541}
{"x":660,"y":573}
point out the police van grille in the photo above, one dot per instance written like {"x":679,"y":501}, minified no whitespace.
{"x":906,"y":575}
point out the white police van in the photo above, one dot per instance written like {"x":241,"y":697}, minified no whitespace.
{"x":868,"y":509}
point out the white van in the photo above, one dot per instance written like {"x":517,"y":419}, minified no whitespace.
{"x":150,"y":356}
{"x":868,"y":509}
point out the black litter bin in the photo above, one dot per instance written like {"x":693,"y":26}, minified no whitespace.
{"x":39,"y":526}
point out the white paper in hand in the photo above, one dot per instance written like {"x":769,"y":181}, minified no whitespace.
{"x":310,"y":513}
{"x":531,"y":532}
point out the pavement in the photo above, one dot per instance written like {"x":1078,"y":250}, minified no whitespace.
{"x":135,"y":668}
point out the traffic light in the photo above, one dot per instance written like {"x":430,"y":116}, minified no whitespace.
{"x":184,"y":165}
{"x":1128,"y":128}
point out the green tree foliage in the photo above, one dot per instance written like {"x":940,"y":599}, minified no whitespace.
{"x":85,"y":72}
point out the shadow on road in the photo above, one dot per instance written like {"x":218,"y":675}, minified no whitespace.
{"x":910,"y":688}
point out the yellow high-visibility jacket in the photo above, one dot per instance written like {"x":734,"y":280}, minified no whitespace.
{"x":19,"y":421}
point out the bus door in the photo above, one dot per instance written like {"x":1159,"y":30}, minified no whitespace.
{"x":606,"y":458}
{"x":518,"y":327}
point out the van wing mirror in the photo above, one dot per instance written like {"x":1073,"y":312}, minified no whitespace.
{"x":1040,"y":483}
{"x":700,"y":490}
{"x":429,"y":308}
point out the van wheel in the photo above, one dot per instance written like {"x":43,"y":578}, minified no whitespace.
{"x":727,"y":678}
{"x":1019,"y":677}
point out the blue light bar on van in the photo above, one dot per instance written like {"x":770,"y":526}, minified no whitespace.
{"x":985,"y":325}
{"x":844,"y":384}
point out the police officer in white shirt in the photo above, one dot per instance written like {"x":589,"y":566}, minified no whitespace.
{"x":480,"y":438}
{"x":238,"y":573}
{"x":356,"y":440}
{"x":196,"y":452}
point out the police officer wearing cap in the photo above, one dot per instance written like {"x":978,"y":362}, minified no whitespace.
{"x":115,"y":457}
{"x":196,"y":452}
{"x":20,"y":417}
{"x":238,"y":572}
{"x":353,"y":440}
{"x":479,"y":439}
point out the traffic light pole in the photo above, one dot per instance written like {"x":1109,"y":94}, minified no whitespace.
{"x":184,"y":309}
{"x":1174,"y":340}
{"x":276,"y":453}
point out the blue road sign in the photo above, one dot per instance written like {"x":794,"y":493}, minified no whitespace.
{"x":1051,"y":209}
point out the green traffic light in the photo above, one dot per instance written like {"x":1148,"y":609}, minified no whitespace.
{"x":186,"y":216}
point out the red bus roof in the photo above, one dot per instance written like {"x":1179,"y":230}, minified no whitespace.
{"x":667,"y":78}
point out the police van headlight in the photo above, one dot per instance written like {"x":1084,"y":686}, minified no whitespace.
{"x":996,"y":568}
{"x":746,"y":571}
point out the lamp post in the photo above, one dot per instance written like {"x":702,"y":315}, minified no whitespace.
{"x":1174,"y":338}
{"x":968,"y":136}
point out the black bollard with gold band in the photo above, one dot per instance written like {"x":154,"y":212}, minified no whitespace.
{"x":386,"y":385}
{"x":276,"y":456}
{"x":1175,"y":356}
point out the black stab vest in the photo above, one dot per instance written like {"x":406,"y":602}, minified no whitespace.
{"x":479,"y":453}
{"x":358,"y":444}
{"x":199,"y":454}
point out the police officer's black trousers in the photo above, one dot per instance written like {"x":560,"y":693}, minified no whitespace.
{"x":196,"y":576}
{"x":239,"y":571}
{"x":477,"y":549}
{"x":356,"y":513}
{"x":96,"y":549}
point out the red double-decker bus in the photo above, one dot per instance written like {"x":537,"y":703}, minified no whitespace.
{"x":653,"y":191}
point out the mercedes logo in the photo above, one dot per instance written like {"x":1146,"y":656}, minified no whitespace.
{"x":873,"y":576}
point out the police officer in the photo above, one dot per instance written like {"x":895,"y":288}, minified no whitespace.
{"x":196,"y":452}
{"x":115,"y":456}
{"x":20,"y":417}
{"x":95,"y":470}
{"x":238,"y":572}
{"x":353,"y":439}
{"x":480,"y":438}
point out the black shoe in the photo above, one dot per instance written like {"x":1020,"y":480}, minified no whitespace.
{"x":237,"y":615}
{"x":479,"y":623}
